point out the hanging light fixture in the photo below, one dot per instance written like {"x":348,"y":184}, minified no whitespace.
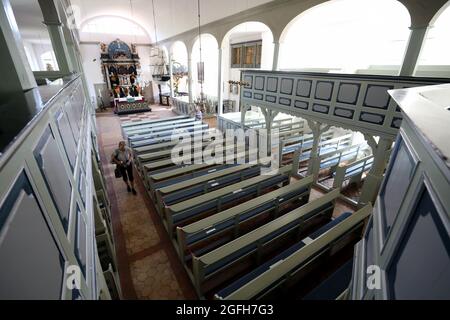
{"x":200,"y":64}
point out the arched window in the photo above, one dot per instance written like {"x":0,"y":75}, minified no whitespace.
{"x":108,"y":28}
{"x":347,"y":36}
{"x":434,"y":58}
{"x":179,"y":68}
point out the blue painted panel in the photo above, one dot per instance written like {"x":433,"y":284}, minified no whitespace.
{"x":371,"y":118}
{"x":320,"y":108}
{"x":377,"y":96}
{"x":396,"y":183}
{"x":51,"y":165}
{"x":420,"y":266}
{"x":304,"y":88}
{"x":348,"y":92}
{"x":287,"y":86}
{"x":324,"y":90}
{"x":301,"y":104}
{"x":344,"y":113}
{"x":32,"y":266}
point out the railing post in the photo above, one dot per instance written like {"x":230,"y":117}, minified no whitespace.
{"x":314,"y":159}
{"x":54,"y":26}
{"x":374,"y":177}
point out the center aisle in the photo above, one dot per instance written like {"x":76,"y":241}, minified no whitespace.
{"x":147,"y":262}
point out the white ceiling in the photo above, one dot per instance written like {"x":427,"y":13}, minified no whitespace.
{"x":172,"y":16}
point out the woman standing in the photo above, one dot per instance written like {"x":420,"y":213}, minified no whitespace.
{"x":123,"y":157}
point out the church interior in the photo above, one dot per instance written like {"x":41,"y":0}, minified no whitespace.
{"x":225,"y":150}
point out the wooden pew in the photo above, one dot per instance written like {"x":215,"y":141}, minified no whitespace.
{"x":130,"y":124}
{"x":168,"y":136}
{"x":221,"y":264}
{"x":143,"y":158}
{"x":185,"y":172}
{"x":160,"y":130}
{"x":168,"y":131}
{"x":352,"y":171}
{"x":194,"y":209}
{"x":181,"y":191}
{"x":301,"y":142}
{"x":147,"y":127}
{"x":207,"y":234}
{"x":161,"y":165}
{"x":327,"y":146}
{"x":296,"y":262}
{"x":169,"y":143}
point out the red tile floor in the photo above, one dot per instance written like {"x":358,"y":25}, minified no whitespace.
{"x":148,"y":264}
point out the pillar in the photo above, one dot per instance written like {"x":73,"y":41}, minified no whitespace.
{"x":170,"y":74}
{"x":54,"y":26}
{"x":276,"y":53}
{"x":14,"y":64}
{"x":413,"y":49}
{"x":314,"y":162}
{"x":374,"y":177}
{"x":191,"y":100}
{"x":219,"y":84}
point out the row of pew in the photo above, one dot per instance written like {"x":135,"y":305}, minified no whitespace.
{"x":241,"y":234}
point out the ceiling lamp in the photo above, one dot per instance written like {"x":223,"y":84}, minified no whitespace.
{"x":200,"y":64}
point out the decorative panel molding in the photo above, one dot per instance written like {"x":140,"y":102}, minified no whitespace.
{"x":67,"y":137}
{"x":356,"y":102}
{"x":32,"y":266}
{"x":51,"y":165}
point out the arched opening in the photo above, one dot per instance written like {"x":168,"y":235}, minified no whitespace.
{"x":347,"y":36}
{"x":434,"y":58}
{"x":210,"y":58}
{"x":247,"y":45}
{"x":179,"y":69}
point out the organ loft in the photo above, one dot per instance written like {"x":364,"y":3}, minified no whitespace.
{"x":264,"y":150}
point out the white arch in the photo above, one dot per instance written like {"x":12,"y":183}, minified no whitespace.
{"x":434,"y":59}
{"x":114,"y":26}
{"x":347,"y":36}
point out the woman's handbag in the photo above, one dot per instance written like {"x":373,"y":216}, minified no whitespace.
{"x":117,"y":172}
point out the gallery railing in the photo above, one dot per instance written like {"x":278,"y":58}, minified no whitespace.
{"x":47,"y":201}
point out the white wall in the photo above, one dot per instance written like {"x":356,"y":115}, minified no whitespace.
{"x":234,"y":74}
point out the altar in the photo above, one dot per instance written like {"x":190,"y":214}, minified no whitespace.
{"x":122,"y":74}
{"x":130,"y":105}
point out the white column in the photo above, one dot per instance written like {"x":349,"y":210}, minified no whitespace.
{"x":276,"y":52}
{"x":14,"y":66}
{"x":54,"y":26}
{"x":373,"y":180}
{"x":219,"y":85}
{"x":413,"y":49}
{"x":170,"y":74}
{"x":191,"y":100}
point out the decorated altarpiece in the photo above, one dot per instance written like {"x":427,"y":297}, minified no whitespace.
{"x":121,"y":72}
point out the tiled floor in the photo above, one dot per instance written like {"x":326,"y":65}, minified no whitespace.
{"x":148,"y":264}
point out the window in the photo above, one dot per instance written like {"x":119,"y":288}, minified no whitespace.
{"x":347,"y":36}
{"x":434,"y":59}
{"x":246,"y":55}
{"x":48,"y":60}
